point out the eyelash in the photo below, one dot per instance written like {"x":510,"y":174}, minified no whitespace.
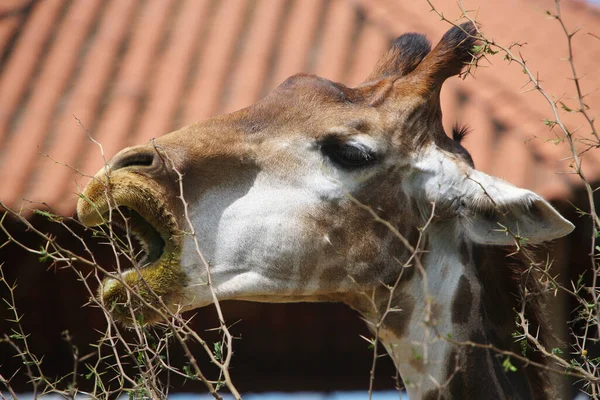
{"x":348,"y":156}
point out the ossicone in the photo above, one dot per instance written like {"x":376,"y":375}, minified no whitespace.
{"x":455,"y":50}
{"x":411,"y":68}
{"x":405,"y":53}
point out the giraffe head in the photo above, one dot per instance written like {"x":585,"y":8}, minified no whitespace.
{"x":301,"y":196}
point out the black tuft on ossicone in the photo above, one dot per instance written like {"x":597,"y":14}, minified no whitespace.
{"x":404,"y":55}
{"x":460,"y":40}
{"x":459,"y":132}
{"x":413,"y":47}
{"x":449,"y":57}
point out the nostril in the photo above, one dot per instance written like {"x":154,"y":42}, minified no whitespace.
{"x":133,"y":158}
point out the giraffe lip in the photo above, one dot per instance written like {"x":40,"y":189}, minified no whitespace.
{"x":135,"y":205}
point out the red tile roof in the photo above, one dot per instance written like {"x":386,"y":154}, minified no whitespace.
{"x":130,"y":70}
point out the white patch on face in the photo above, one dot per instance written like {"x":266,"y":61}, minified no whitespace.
{"x":266,"y":230}
{"x":437,"y":176}
{"x":446,"y":178}
{"x":488,"y":210}
{"x":258,"y":242}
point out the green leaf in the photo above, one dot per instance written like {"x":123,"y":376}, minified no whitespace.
{"x":580,"y":280}
{"x":49,"y":215}
{"x":556,"y":351}
{"x":477,"y":49}
{"x":508,"y":365}
{"x":416,"y":354}
{"x":188,"y":371}
{"x":522,"y":240}
{"x":371,"y":342}
{"x":44,"y":256}
{"x":565,"y":107}
{"x":218,"y":350}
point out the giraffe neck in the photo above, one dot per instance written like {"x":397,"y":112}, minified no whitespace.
{"x":434,"y":317}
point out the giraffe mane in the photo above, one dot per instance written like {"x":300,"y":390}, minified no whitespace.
{"x":520,"y":285}
{"x":460,"y":132}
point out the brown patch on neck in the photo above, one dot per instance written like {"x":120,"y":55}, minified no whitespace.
{"x":462,"y":302}
{"x":373,"y":306}
{"x":398,"y":319}
{"x":416,"y":361}
{"x":472,"y":376}
{"x":437,"y":311}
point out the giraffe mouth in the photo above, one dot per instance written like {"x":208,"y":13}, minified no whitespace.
{"x":151,"y":225}
{"x":152,"y":242}
{"x":156,"y":280}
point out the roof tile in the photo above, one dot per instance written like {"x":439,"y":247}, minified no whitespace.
{"x":370,"y":45}
{"x":19,"y":68}
{"x":336,"y":41}
{"x":299,"y":34}
{"x":252,"y":64}
{"x":82,"y":103}
{"x":24,"y":143}
{"x":124,"y":100}
{"x":167,"y":85}
{"x":216,"y":60}
{"x":12,"y":13}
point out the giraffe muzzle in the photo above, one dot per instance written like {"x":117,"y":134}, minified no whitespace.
{"x":151,"y":289}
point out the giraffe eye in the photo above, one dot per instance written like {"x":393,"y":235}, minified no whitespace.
{"x":349,"y":155}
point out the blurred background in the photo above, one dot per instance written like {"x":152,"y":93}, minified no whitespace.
{"x":126,"y":71}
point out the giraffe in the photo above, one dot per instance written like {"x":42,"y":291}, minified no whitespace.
{"x":321,"y":192}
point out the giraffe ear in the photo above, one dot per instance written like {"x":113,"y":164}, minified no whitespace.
{"x":495,"y":212}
